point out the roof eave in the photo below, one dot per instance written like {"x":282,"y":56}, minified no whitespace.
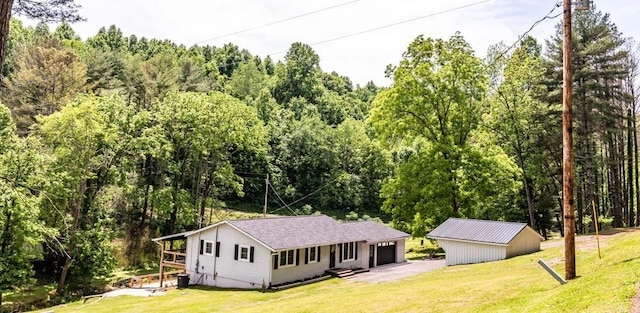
{"x":469,"y":241}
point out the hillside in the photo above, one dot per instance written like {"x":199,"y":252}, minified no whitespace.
{"x":517,"y":284}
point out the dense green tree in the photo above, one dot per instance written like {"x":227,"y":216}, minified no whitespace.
{"x":247,"y":81}
{"x":87,"y":139}
{"x":517,"y":117}
{"x":64,"y":31}
{"x":21,"y":36}
{"x":108,"y":39}
{"x":434,"y":107}
{"x":46,"y":76}
{"x":599,"y":111}
{"x":298,"y":76}
{"x":45,"y":11}
{"x":21,"y":233}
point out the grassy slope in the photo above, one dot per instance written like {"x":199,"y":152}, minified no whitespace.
{"x":517,"y":284}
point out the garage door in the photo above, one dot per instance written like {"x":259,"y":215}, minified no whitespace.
{"x":386,"y":252}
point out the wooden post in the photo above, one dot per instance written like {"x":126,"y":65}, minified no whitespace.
{"x":595,"y":223}
{"x":266,"y":192}
{"x":567,"y":151}
{"x":161,"y":263}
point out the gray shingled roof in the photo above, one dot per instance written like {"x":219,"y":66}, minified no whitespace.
{"x":477,"y":230}
{"x":281,"y":233}
{"x":373,"y":231}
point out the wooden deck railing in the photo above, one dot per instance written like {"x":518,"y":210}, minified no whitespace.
{"x":174,"y":257}
{"x":147,"y":279}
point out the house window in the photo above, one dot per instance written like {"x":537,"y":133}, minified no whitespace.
{"x":208,"y":248}
{"x":287,"y":258}
{"x":244,"y":253}
{"x":313,"y":252}
{"x":348,"y":251}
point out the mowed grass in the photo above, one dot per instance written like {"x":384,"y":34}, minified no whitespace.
{"x":515,"y":285}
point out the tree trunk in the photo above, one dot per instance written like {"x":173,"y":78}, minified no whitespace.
{"x":67,"y":260}
{"x":527,"y":187}
{"x":5,"y":18}
{"x":637,"y":181}
{"x":630,"y":168}
{"x":622,"y":186}
{"x":614,"y":186}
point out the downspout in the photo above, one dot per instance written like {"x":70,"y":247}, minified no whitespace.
{"x":215,"y":261}
{"x":271,"y":258}
{"x":198,"y":254}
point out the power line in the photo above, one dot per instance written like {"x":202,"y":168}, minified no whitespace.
{"x":278,"y":195}
{"x":311,"y":194}
{"x":278,"y":21}
{"x":391,"y":25}
{"x":534,"y":25}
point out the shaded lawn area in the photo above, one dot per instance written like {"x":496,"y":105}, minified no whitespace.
{"x":515,"y":285}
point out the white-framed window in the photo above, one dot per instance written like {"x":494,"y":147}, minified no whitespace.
{"x":208,"y":248}
{"x":313,"y":255}
{"x":287,"y":258}
{"x":244,"y":254}
{"x":348,"y":251}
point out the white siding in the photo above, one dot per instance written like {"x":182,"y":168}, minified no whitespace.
{"x":527,"y":241}
{"x":458,"y":252}
{"x":301,"y":271}
{"x":400,"y":253}
{"x":361,"y":261}
{"x":225,"y":271}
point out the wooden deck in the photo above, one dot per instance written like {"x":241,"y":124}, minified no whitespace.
{"x":174,"y":258}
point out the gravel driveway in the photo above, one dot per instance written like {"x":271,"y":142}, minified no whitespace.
{"x":397,"y":271}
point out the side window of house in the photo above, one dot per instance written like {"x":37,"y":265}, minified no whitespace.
{"x":287,"y":258}
{"x":349,"y":251}
{"x":244,"y":253}
{"x":206,"y":247}
{"x":312,"y":255}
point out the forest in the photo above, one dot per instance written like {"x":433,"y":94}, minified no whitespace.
{"x":113,"y":140}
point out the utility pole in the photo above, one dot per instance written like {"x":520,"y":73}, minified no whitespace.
{"x":567,"y":151}
{"x":266,"y":193}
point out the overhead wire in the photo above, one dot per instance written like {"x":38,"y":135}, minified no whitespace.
{"x":278,"y":21}
{"x":278,"y":195}
{"x":392,"y":24}
{"x":233,"y":62}
{"x":521,"y":37}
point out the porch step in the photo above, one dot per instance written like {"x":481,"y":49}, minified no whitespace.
{"x":340,"y":272}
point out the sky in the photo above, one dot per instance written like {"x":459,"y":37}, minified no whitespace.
{"x":362,"y":57}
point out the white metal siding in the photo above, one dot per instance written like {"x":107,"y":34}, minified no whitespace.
{"x":225,"y":271}
{"x":301,"y":271}
{"x":527,"y":241}
{"x":361,"y":262}
{"x":458,"y":252}
{"x":400,"y":253}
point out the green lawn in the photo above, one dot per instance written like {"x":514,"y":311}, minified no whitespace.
{"x":514,"y":285}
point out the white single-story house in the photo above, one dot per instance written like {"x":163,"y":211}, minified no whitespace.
{"x":265,"y":252}
{"x":467,"y":241}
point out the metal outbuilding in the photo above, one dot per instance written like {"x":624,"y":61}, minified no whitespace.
{"x":467,"y":241}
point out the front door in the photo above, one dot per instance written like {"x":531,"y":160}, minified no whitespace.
{"x":332,"y":256}
{"x":372,"y":251}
